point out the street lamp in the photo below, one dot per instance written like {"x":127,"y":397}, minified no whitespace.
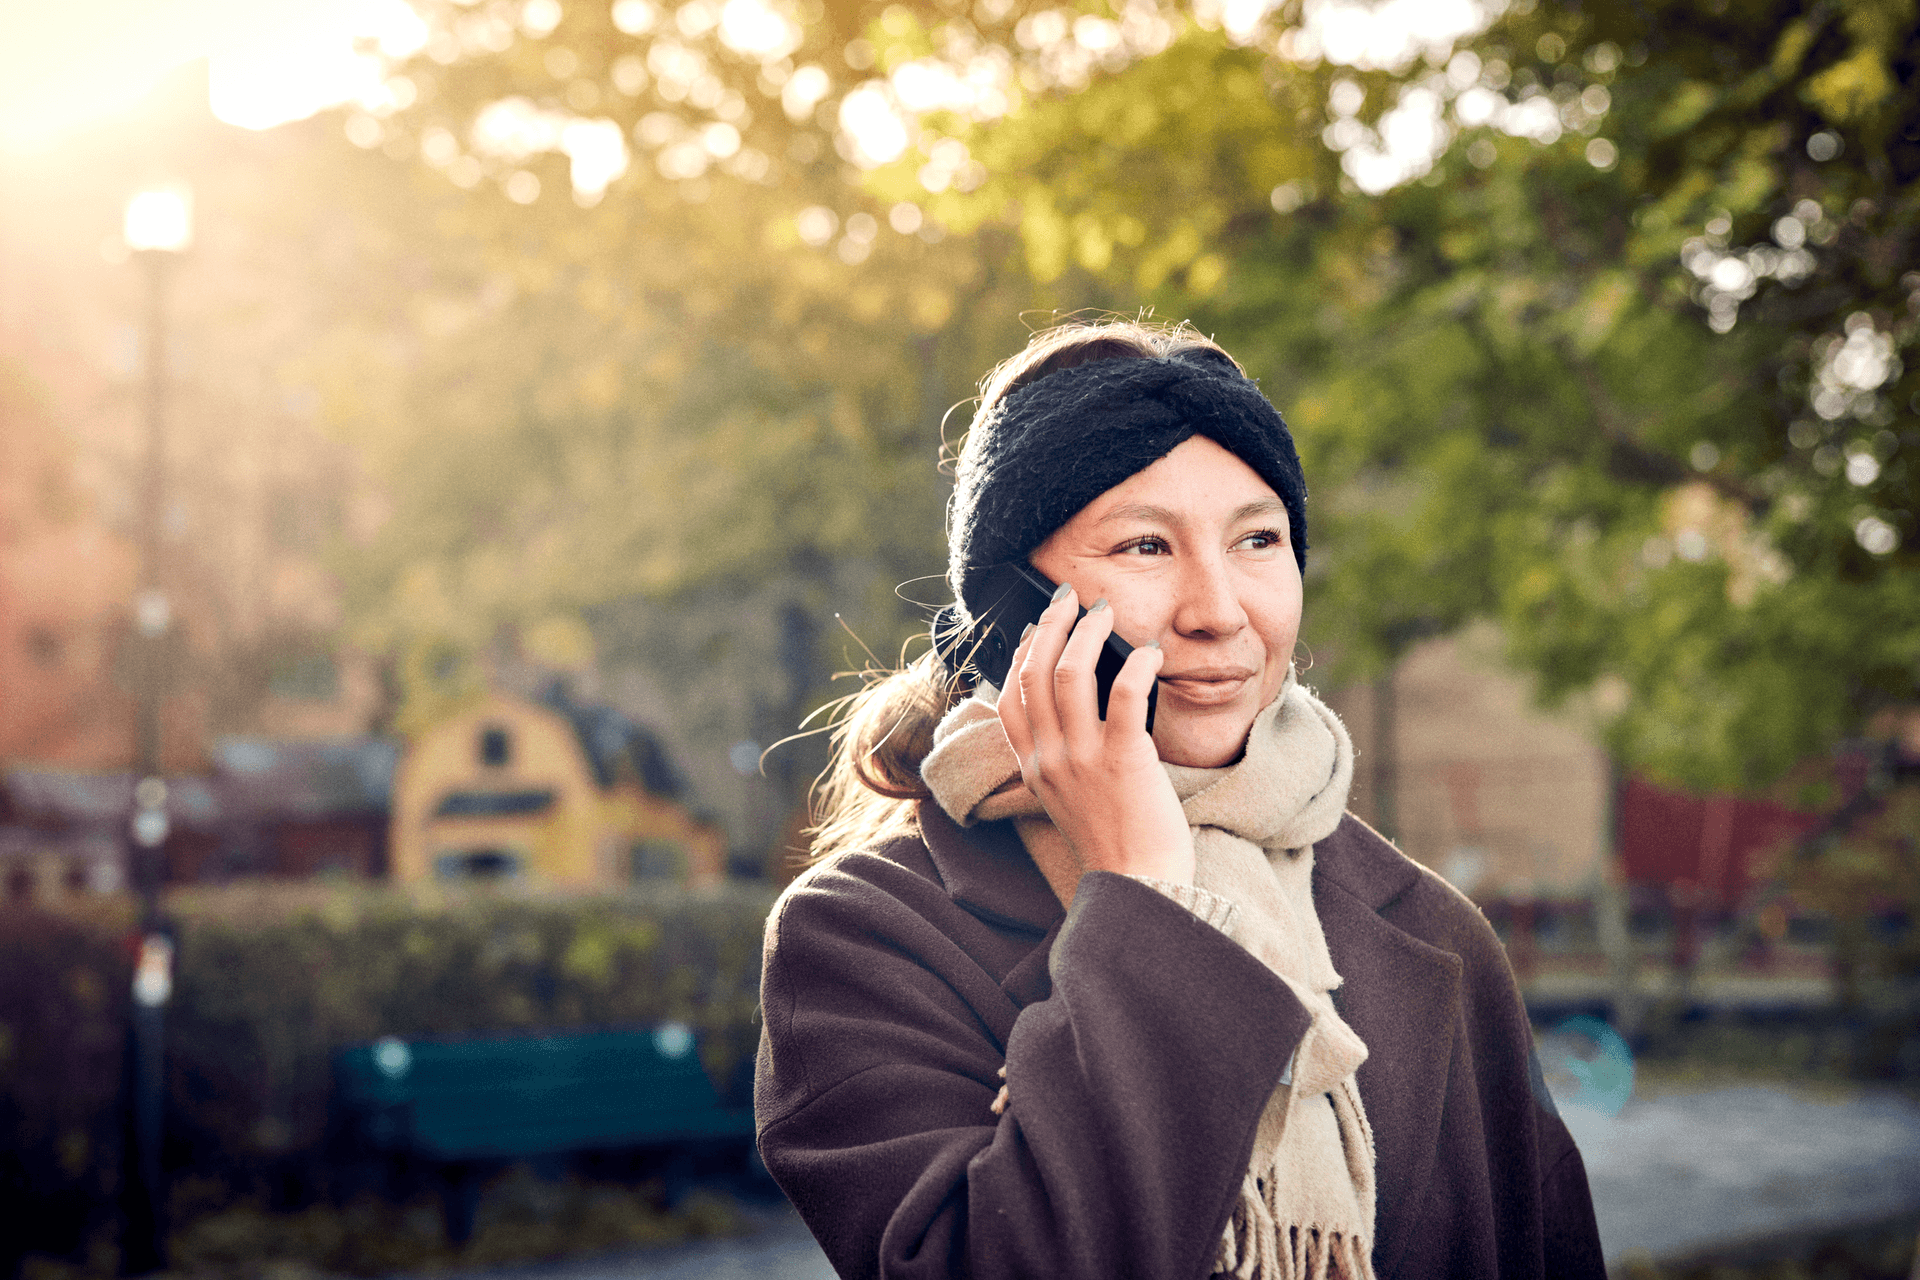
{"x":161,"y":219}
{"x":158,"y":228}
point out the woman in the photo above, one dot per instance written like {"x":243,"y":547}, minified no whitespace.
{"x":1062,"y":998}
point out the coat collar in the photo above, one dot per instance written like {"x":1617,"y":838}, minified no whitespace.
{"x":986,"y":870}
{"x":1400,"y":995}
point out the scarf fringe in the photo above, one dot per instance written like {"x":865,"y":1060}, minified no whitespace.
{"x":1253,"y":1247}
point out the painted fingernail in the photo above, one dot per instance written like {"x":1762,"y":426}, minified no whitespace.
{"x":1025,"y":632}
{"x":1098,"y":605}
{"x":1060,"y":592}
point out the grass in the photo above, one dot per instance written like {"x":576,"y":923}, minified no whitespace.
{"x":1884,"y":1251}
{"x":521,"y":1218}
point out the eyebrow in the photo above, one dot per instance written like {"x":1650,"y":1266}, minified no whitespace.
{"x":1161,"y":515}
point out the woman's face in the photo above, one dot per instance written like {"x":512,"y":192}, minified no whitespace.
{"x":1194,"y":552}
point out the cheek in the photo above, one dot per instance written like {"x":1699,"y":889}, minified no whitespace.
{"x":1277,"y":617}
{"x":1142,"y":610}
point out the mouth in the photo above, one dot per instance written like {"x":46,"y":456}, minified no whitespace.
{"x":1208,"y":687}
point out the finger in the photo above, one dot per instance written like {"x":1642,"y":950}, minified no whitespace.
{"x":1127,"y":702}
{"x":1075,"y":695}
{"x":1012,"y":708}
{"x":1044,"y":646}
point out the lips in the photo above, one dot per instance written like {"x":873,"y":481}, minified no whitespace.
{"x":1207,"y":688}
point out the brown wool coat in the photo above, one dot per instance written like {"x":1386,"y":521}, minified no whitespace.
{"x":1140,"y":1045}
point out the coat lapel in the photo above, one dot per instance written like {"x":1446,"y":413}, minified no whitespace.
{"x":1402,"y":997}
{"x":987,"y":871}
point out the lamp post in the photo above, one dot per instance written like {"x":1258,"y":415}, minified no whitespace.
{"x":158,"y":228}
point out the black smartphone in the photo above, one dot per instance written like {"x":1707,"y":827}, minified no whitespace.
{"x":1017,"y":593}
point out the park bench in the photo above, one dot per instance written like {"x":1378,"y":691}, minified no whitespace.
{"x":468,"y":1105}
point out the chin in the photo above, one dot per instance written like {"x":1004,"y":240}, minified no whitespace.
{"x":1202,"y":746}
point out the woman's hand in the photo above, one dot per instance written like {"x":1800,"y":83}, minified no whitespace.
{"x":1101,"y":781}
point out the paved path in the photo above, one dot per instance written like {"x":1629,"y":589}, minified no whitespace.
{"x":1671,"y":1175}
{"x":782,"y":1249}
{"x":1678,"y":1174}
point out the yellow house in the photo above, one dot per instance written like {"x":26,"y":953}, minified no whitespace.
{"x":549,"y":792}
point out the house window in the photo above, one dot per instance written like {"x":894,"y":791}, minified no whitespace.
{"x":659,"y":860}
{"x":479,"y":864}
{"x":493,"y":804}
{"x":496,"y":746}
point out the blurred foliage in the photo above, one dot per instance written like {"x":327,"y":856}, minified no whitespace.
{"x":522,"y":1218}
{"x":1641,"y":386}
{"x":1628,"y":366}
{"x":1675,"y":1052}
{"x":663,"y":414}
{"x":1866,"y":876}
{"x":270,"y":979}
{"x":573,"y":407}
{"x":64,"y":993}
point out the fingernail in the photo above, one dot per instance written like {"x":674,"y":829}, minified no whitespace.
{"x":1098,"y":605}
{"x":1151,"y":644}
{"x":1060,"y":592}
{"x":1025,"y":632}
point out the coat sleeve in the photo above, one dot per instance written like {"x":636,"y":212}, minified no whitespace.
{"x":1135,"y":1087}
{"x":1570,"y":1237}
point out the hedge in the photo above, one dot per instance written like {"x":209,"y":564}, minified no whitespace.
{"x":64,"y":992}
{"x":271,"y":978}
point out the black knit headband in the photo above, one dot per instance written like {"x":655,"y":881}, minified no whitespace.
{"x":1051,"y":447}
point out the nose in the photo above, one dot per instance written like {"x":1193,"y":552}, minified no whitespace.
{"x":1207,"y":606}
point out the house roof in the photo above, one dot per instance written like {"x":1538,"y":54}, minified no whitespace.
{"x":335,"y":777}
{"x":58,"y":798}
{"x":616,"y":745}
{"x":26,"y":842}
{"x":255,"y":779}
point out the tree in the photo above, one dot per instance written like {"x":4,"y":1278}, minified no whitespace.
{"x":1628,"y":367}
{"x":1621,"y":359}
{"x":687,"y":403}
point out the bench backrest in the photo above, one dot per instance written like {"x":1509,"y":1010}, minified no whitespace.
{"x":528,"y":1095}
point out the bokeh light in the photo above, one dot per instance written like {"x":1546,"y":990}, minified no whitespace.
{"x":160,"y":219}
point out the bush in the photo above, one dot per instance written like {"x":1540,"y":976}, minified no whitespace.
{"x":271,"y":979}
{"x":1866,"y":878}
{"x":64,"y":991}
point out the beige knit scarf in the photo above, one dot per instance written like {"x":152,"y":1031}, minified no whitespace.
{"x":1306,"y":1208}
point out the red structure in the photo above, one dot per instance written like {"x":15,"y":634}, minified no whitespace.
{"x":1702,"y":857}
{"x":1710,"y":848}
{"x":290,"y":810}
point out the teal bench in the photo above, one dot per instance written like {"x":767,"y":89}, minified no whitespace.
{"x":466,"y":1105}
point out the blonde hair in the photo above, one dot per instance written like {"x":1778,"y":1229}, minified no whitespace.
{"x":871,"y":784}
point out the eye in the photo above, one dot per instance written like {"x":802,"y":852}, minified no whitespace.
{"x":1146,"y":547}
{"x":1261,"y":540}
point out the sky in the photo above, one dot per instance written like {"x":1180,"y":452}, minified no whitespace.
{"x":68,"y":64}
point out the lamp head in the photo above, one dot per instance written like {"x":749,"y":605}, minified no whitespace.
{"x":160,"y":219}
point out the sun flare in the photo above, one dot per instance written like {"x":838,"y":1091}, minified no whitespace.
{"x":73,"y":64}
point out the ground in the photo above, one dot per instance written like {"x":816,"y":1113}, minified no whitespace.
{"x":1680,"y":1174}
